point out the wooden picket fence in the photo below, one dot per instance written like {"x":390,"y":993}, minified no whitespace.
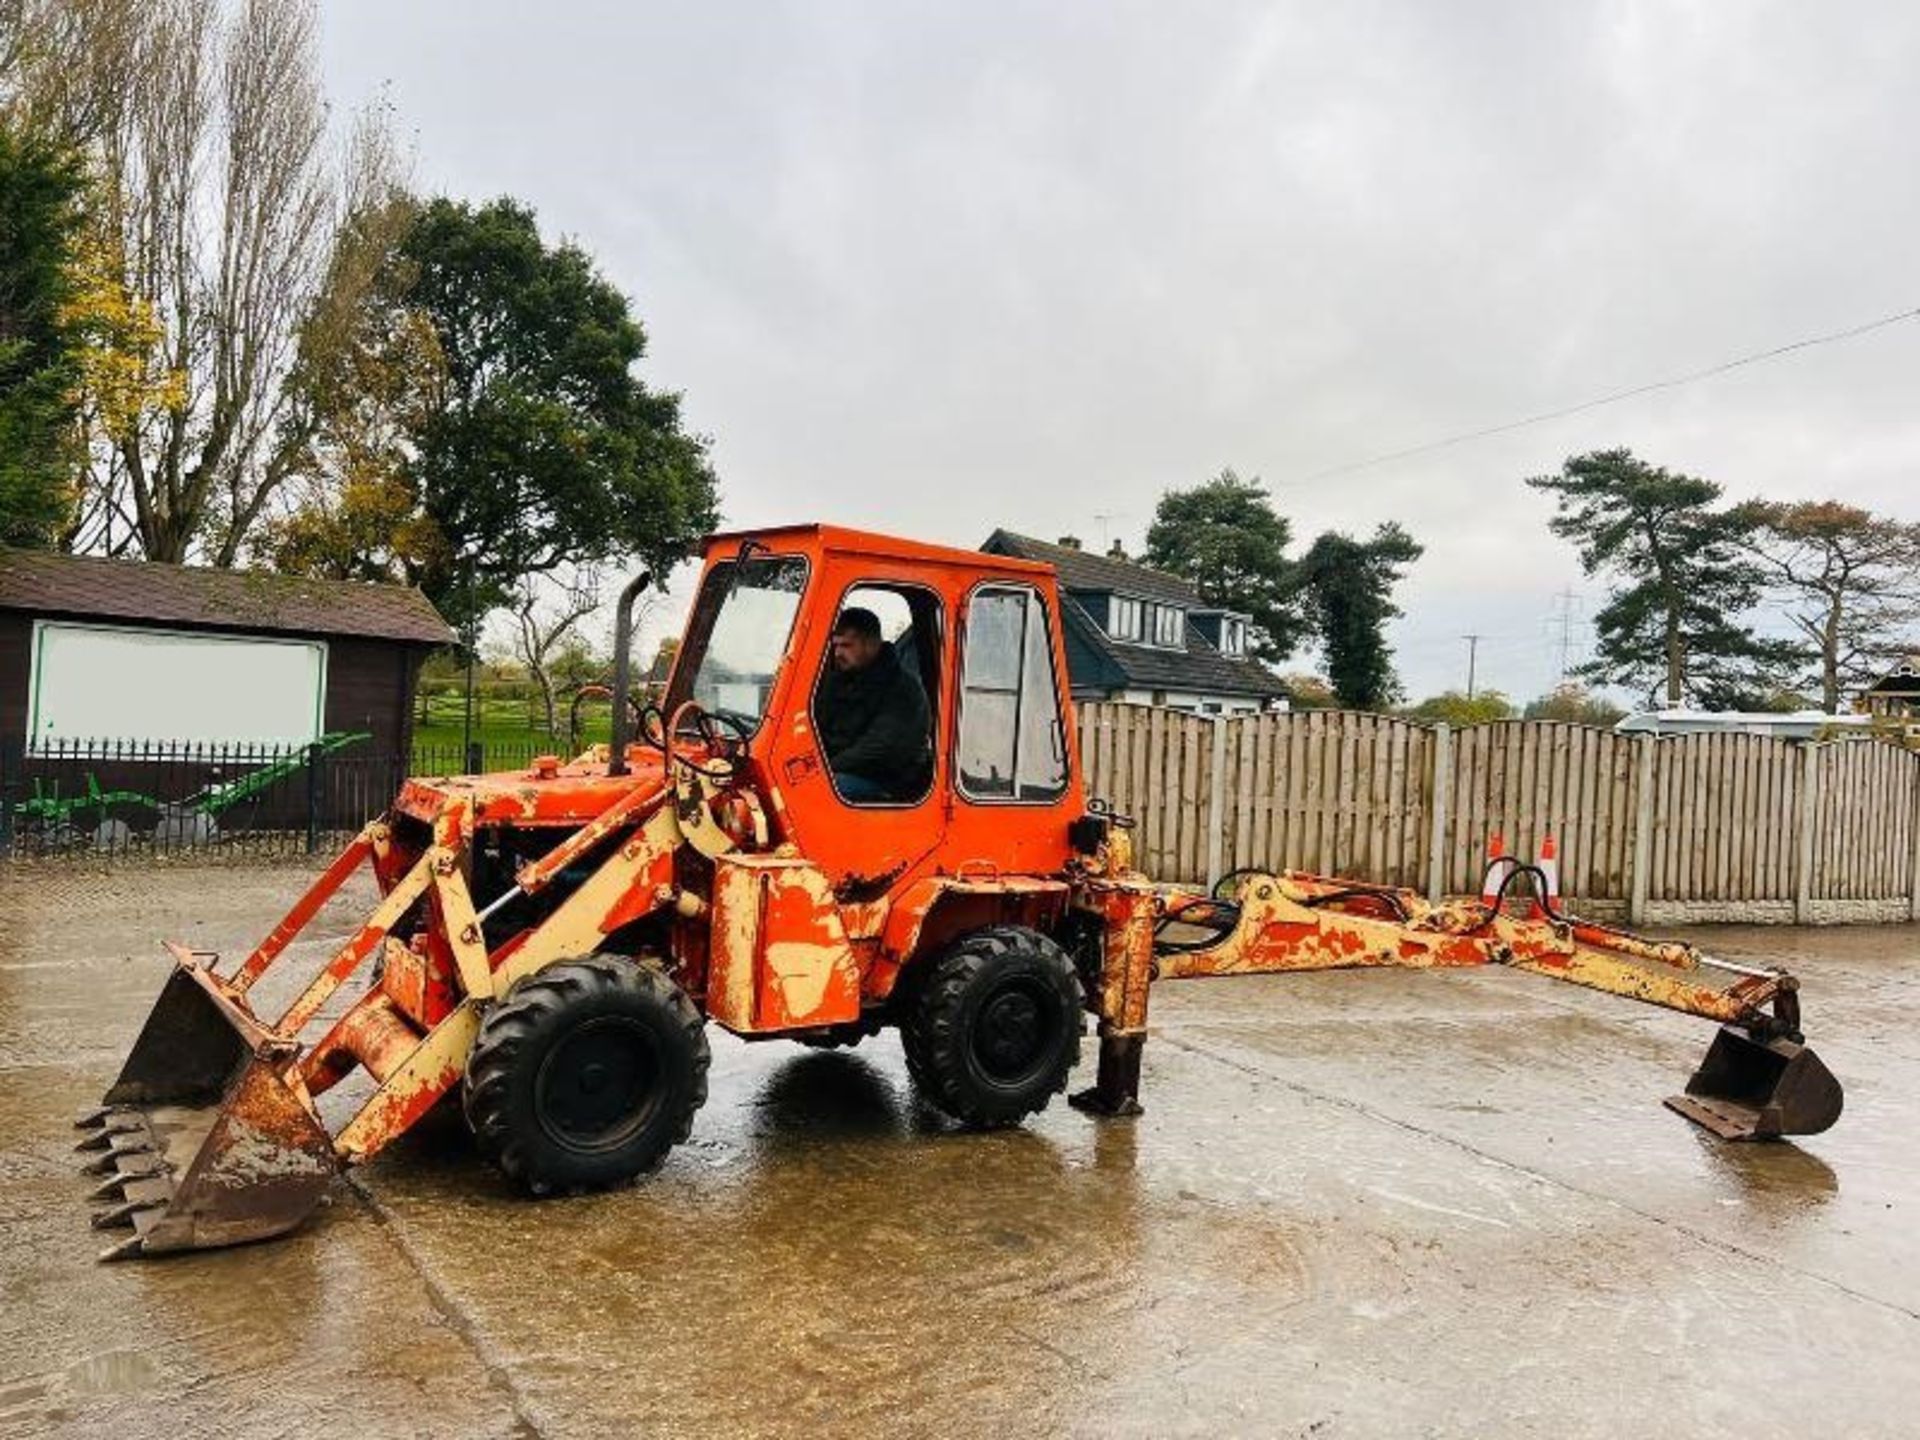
{"x":1774,"y":826}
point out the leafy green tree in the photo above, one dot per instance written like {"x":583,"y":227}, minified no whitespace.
{"x":544,"y":449}
{"x":1573,"y":702}
{"x":1850,"y":583}
{"x":1740,"y":694}
{"x":1225,"y":537}
{"x":479,"y":422}
{"x":1456,"y":707}
{"x":367,"y":378}
{"x":41,"y":190}
{"x":1684,"y":578}
{"x":1348,"y":586}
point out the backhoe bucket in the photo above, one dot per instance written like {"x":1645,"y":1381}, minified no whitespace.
{"x":202,"y":1141}
{"x":1749,"y":1089}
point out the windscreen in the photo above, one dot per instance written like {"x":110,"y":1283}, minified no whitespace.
{"x":740,"y":630}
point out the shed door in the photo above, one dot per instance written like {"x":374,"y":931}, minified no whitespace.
{"x":114,"y":683}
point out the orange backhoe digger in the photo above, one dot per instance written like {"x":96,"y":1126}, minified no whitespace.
{"x":550,"y":945}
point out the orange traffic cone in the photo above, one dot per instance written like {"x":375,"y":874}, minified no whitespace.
{"x":1549,"y":863}
{"x":1498,"y":864}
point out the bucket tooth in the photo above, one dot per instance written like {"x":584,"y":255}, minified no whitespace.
{"x":92,"y":1119}
{"x":114,"y":1123}
{"x":109,"y":1162}
{"x":127,"y":1249}
{"x":121,"y":1214}
{"x":123,"y":1183}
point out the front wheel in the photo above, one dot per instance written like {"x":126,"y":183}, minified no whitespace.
{"x":994,"y":1027}
{"x":586,"y":1075}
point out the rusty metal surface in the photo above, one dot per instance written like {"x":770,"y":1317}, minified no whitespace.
{"x":778,"y":954}
{"x":193,"y":1162}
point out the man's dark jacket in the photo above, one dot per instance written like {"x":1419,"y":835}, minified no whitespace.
{"x":874,"y":723}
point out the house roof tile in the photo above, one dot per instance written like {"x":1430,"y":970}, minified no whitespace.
{"x":1082,"y":570}
{"x":89,"y":586}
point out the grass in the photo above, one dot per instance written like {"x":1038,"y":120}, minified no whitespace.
{"x":508,"y":727}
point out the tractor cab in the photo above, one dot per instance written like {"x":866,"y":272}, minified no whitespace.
{"x":976,"y":636}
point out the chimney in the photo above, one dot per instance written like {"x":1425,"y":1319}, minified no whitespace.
{"x":1118,"y":552}
{"x":1068,"y":542}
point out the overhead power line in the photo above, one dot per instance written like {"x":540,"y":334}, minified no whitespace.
{"x":1427,"y":447}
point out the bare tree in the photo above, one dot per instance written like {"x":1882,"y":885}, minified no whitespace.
{"x":1850,"y":581}
{"x":546,"y":610}
{"x":219,"y":206}
{"x":67,"y":66}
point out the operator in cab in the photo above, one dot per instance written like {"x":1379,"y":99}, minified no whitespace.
{"x":872,"y":715}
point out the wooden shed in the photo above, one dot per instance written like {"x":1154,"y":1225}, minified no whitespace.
{"x":130,"y":652}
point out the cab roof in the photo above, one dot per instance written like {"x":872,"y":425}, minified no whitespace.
{"x":838,"y":539}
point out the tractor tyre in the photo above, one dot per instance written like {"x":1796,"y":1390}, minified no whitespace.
{"x":586,"y":1075}
{"x":994,"y":1026}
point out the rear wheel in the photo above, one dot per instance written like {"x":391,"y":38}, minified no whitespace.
{"x":586,"y":1075}
{"x":994,"y":1027}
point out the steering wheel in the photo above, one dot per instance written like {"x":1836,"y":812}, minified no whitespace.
{"x":723,"y":735}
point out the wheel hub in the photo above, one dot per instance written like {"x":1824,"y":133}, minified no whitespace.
{"x":598,"y":1084}
{"x":1010,"y":1036}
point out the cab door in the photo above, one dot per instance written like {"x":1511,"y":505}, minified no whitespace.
{"x":867,"y":846}
{"x":1014,"y":779}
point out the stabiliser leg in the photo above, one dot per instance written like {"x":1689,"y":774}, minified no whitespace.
{"x":1116,"y":1090}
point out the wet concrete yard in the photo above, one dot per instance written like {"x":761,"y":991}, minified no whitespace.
{"x":1359,"y":1204}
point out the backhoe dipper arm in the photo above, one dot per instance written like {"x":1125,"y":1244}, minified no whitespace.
{"x":1758,"y":1079}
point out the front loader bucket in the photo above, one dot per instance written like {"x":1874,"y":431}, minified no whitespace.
{"x":202,"y":1141}
{"x":1748,"y":1089}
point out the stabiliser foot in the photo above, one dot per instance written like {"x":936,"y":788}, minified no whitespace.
{"x":1116,"y":1090}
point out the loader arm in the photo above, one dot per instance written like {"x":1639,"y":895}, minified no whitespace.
{"x":211,"y":1135}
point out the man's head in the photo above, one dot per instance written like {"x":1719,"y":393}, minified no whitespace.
{"x":856,"y":639}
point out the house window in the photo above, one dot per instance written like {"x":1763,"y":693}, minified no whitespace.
{"x":1169,"y":625}
{"x":1233,"y":637}
{"x":1123,"y":618}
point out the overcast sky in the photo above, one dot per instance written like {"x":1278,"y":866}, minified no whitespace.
{"x":937,"y":268}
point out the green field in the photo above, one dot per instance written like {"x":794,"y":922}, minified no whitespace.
{"x":511,"y":728}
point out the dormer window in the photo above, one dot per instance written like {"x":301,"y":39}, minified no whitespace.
{"x":1143,"y":622}
{"x":1233,"y":636}
{"x":1169,"y":626}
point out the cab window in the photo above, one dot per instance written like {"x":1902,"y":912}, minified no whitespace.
{"x":1010,"y":743}
{"x":875,"y":701}
{"x":738,"y":636}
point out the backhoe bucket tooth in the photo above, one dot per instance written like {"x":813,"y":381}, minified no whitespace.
{"x":203,"y":1140}
{"x":1748,"y":1089}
